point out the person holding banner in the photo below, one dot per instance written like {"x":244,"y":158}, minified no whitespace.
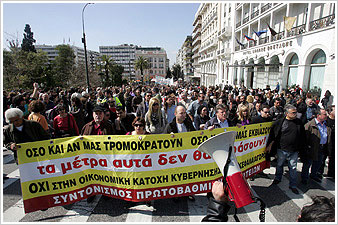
{"x":243,"y":115}
{"x":21,"y":130}
{"x":181,"y":123}
{"x":264,"y":115}
{"x":139,"y":127}
{"x":155,"y":118}
{"x":202,"y":117}
{"x":220,"y":120}
{"x":97,"y":127}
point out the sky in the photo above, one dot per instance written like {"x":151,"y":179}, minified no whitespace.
{"x":160,"y":24}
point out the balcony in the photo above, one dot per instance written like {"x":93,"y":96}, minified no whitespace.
{"x":238,"y":24}
{"x":266,"y":7}
{"x":254,"y":14}
{"x":205,"y":24}
{"x":263,"y":40}
{"x":226,"y":53}
{"x":225,"y":32}
{"x":322,"y":22}
{"x":197,"y":27}
{"x":296,"y":31}
{"x":245,"y":20}
{"x":207,"y":57}
{"x":196,"y":47}
{"x":252,"y":44}
{"x":196,"y":40}
{"x":278,"y":36}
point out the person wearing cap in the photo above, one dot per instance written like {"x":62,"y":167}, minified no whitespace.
{"x":98,"y":126}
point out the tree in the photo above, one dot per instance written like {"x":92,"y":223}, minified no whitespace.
{"x":177,"y":71}
{"x":28,"y":40}
{"x":141,"y":64}
{"x":104,"y":66}
{"x":22,"y":69}
{"x":168,"y":75}
{"x":63,"y":65}
{"x":116,"y":71}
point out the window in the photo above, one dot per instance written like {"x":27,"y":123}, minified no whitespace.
{"x":317,"y":71}
{"x":293,"y":70}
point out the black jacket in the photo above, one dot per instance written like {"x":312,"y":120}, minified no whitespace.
{"x":275,"y":135}
{"x":217,"y":211}
{"x":260,"y":119}
{"x":172,"y":127}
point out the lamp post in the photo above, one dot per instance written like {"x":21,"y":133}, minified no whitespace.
{"x":84,"y":44}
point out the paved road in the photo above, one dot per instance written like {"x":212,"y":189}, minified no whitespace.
{"x":282,"y":204}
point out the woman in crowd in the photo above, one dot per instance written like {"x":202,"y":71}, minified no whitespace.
{"x":155,"y":117}
{"x":202,"y":117}
{"x":36,"y":107}
{"x":243,"y":115}
{"x":77,"y":111}
{"x":139,"y":125}
{"x":64,"y":124}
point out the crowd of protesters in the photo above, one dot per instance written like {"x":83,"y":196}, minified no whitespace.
{"x":303,"y":124}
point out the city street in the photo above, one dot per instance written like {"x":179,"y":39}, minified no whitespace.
{"x":282,"y":204}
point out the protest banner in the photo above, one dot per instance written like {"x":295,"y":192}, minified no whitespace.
{"x":134,"y":168}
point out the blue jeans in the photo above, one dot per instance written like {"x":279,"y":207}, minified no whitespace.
{"x":292,"y":158}
{"x":315,"y":165}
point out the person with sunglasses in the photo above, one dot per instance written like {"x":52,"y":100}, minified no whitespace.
{"x":139,"y":126}
{"x":155,"y":118}
{"x":287,"y":139}
{"x":264,"y":115}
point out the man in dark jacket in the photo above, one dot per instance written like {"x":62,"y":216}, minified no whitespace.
{"x":277,"y":111}
{"x":264,"y":115}
{"x":318,"y":142}
{"x":287,"y":139}
{"x":220,"y":120}
{"x":98,"y":126}
{"x":124,"y":120}
{"x":20,"y":131}
{"x":181,"y":123}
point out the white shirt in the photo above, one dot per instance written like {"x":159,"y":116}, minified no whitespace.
{"x":19,"y":128}
{"x":181,"y":127}
{"x":223,"y":124}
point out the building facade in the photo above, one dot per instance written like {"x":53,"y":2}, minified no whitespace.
{"x":209,"y":42}
{"x":298,"y":50}
{"x":196,"y":44}
{"x":157,"y":59}
{"x":123,"y":55}
{"x":259,"y":44}
{"x":184,"y":58}
{"x":92,"y":56}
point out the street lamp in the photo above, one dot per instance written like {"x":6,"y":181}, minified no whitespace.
{"x":84,"y":43}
